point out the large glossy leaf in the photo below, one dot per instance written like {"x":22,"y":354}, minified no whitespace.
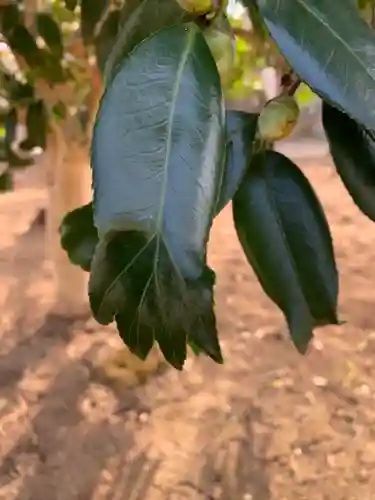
{"x":285,"y":236}
{"x":79,"y":236}
{"x":157,"y":152}
{"x":241,"y":129}
{"x":139,"y":19}
{"x":352,"y":148}
{"x":331,"y":47}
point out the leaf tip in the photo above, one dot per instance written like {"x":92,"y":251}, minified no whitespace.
{"x":302,"y":340}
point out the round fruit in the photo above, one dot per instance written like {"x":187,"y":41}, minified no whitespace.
{"x":220,"y":39}
{"x":278,"y":118}
{"x":198,"y":7}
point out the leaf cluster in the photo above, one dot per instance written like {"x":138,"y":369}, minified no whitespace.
{"x":167,"y":157}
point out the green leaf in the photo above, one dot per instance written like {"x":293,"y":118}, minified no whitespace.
{"x":6,"y":181}
{"x":22,"y":42}
{"x":139,"y":20}
{"x":91,"y":13}
{"x":195,"y":348}
{"x":79,"y":237}
{"x":40,"y":61}
{"x":285,"y":236}
{"x":10,"y":16}
{"x":3,"y":155}
{"x":49,"y":30}
{"x":19,"y":93}
{"x":71,"y":4}
{"x":37,"y":126}
{"x":353,"y":152}
{"x":157,"y":160}
{"x":331,"y":47}
{"x":51,"y":69}
{"x":241,"y":130}
{"x":106,"y":38}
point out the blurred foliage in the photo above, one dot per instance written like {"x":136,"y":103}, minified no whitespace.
{"x":255,"y":50}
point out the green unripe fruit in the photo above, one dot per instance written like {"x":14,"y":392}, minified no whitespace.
{"x":219,"y":37}
{"x":198,"y":7}
{"x":201,"y":7}
{"x":278,"y":118}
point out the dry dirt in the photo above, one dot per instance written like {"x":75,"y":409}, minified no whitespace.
{"x":268,"y":425}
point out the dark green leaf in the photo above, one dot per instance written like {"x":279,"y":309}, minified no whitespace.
{"x":22,"y":42}
{"x":79,"y":237}
{"x":139,"y":19}
{"x":10,"y":16}
{"x":3,"y":153}
{"x":20,"y":93}
{"x":40,"y":61}
{"x":49,"y":30}
{"x":194,"y":348}
{"x":157,"y":154}
{"x":241,"y":130}
{"x":16,"y":162}
{"x":51,"y":69}
{"x":6,"y":181}
{"x":353,"y":152}
{"x":331,"y":47}
{"x":10,"y":124}
{"x":37,"y":123}
{"x":91,"y":13}
{"x":71,"y":4}
{"x":285,"y":236}
{"x":105,"y":40}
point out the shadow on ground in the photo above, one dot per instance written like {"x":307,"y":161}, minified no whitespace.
{"x":268,"y":425}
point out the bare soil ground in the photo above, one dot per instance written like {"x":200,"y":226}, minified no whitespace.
{"x":268,"y":425}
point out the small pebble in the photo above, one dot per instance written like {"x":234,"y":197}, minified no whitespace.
{"x":320,"y":381}
{"x":143,"y":418}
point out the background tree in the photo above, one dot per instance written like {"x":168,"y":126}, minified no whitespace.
{"x":50,"y":88}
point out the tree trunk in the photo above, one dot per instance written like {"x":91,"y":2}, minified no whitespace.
{"x":69,"y":182}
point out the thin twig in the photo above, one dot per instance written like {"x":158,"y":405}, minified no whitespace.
{"x":290,"y":83}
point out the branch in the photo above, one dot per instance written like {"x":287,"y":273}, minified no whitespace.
{"x":290,"y":83}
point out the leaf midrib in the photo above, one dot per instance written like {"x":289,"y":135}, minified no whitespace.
{"x":168,"y":150}
{"x":279,"y":222}
{"x":159,"y":219}
{"x":166,"y":165}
